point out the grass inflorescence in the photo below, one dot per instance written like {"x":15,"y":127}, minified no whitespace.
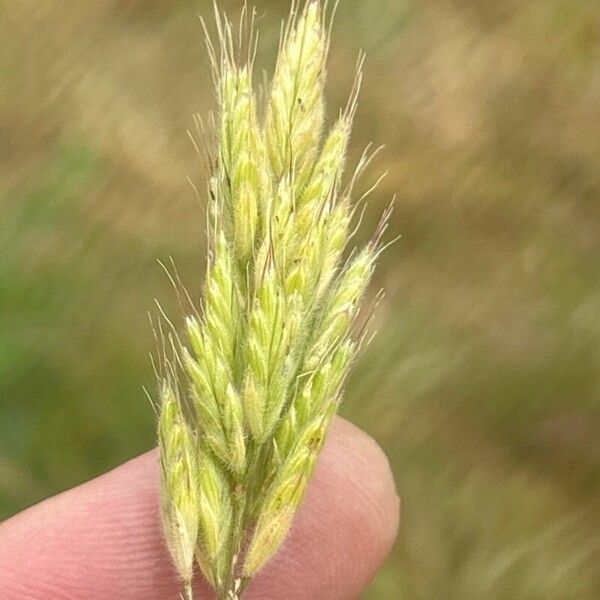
{"x":248,"y":396}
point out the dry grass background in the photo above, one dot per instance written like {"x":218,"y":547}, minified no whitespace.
{"x":483,"y":384}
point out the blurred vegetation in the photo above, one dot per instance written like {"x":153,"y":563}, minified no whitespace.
{"x":483,"y":384}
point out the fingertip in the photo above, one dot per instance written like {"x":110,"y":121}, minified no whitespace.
{"x":367,"y":464}
{"x":104,"y":540}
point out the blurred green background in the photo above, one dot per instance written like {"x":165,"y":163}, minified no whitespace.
{"x":483,"y":384}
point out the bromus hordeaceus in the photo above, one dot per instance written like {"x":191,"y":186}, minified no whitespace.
{"x":247,"y":397}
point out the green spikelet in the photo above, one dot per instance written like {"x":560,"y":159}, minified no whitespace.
{"x":179,"y":475}
{"x":265,"y":354}
{"x":242,"y":178}
{"x":295,"y":111}
{"x":215,"y":517}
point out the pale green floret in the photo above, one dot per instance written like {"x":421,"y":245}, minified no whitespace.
{"x":281,"y":227}
{"x":179,"y":473}
{"x":211,"y":369}
{"x":342,"y":305}
{"x":318,"y":394}
{"x":243,"y":179}
{"x":217,"y":404}
{"x":323,"y":386}
{"x":265,"y":356}
{"x":266,"y":359}
{"x":221,"y":301}
{"x":295,"y":111}
{"x":325,"y":179}
{"x":337,"y":224}
{"x":215,"y":515}
{"x":304,"y":266}
{"x":205,"y":403}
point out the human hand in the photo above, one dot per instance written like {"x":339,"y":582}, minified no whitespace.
{"x":103,"y":539}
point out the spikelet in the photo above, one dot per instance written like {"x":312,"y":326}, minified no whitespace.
{"x":266,"y":359}
{"x":242,"y":180}
{"x":211,"y":368}
{"x":342,"y":305}
{"x":284,"y":496}
{"x":215,"y":517}
{"x":325,"y":178}
{"x":265,"y":355}
{"x":179,"y":475}
{"x":295,"y":111}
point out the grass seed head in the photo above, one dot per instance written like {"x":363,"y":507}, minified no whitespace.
{"x":266,"y":359}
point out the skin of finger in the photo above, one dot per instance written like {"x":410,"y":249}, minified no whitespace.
{"x":103,"y":539}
